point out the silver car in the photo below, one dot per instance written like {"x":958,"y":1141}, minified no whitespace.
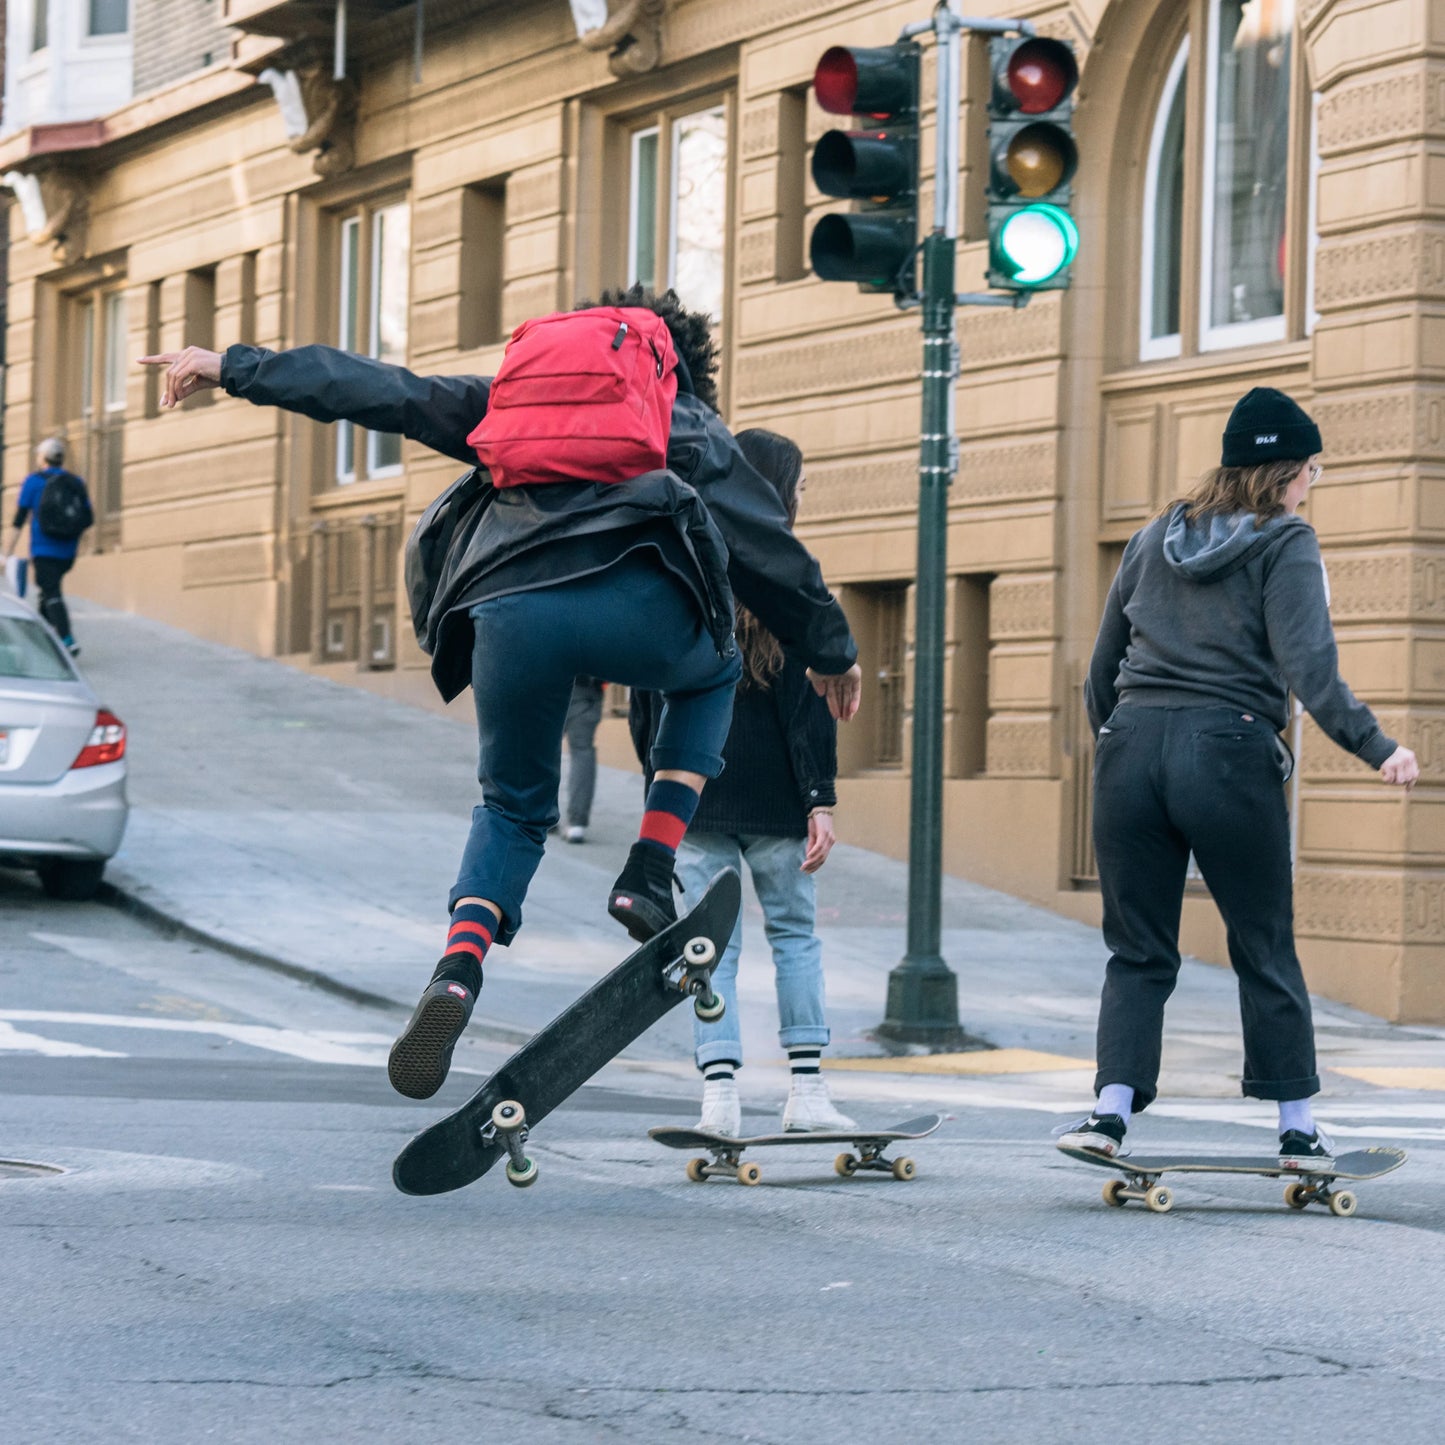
{"x":62,"y":761}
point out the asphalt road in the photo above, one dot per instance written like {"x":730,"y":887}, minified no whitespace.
{"x":224,"y":1258}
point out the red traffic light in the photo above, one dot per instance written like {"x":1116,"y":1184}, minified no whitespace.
{"x":881,"y":81}
{"x":835,"y":82}
{"x":1040,"y":75}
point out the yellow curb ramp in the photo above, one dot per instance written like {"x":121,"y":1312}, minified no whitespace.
{"x":1396,"y":1078}
{"x":977,"y":1061}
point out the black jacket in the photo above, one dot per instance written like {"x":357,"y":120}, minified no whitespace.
{"x":779,"y":763}
{"x":714,"y":520}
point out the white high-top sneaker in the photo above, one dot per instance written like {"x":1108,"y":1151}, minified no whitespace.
{"x":809,"y":1108}
{"x":722,"y":1111}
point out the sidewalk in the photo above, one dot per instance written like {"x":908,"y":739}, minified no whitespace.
{"x":319,"y":826}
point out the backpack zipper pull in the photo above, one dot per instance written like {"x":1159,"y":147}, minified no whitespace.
{"x":621,"y":333}
{"x":656,"y":356}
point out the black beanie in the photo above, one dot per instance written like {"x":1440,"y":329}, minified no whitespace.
{"x":1267,"y":426}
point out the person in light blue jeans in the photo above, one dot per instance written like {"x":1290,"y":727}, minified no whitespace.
{"x":772,"y":807}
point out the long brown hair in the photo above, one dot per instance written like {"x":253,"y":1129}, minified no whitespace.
{"x":781,"y":462}
{"x":1226,"y":490}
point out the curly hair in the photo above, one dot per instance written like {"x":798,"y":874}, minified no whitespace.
{"x":691,"y":331}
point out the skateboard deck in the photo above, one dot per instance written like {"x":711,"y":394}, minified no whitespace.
{"x":556,"y":1062}
{"x":727,"y":1152}
{"x":1307,"y":1186}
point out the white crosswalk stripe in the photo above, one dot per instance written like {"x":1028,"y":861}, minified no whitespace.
{"x":350,"y":1048}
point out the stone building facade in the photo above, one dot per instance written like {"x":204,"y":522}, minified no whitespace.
{"x":1262,"y":200}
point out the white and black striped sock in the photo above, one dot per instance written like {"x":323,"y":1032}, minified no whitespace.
{"x":720,"y":1069}
{"x":806,"y":1060}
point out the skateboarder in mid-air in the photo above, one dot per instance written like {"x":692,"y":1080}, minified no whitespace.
{"x":1220,"y":609}
{"x":604,"y":533}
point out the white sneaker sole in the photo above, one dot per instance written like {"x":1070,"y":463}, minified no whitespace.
{"x":1094,"y":1143}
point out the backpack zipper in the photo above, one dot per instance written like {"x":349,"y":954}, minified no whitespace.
{"x":621,"y":334}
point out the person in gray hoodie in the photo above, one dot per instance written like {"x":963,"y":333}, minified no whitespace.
{"x":1219,"y":610}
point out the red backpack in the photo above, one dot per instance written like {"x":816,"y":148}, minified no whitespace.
{"x":581,"y":396}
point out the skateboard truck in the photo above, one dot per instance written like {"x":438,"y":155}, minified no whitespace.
{"x":692,"y":974}
{"x":509,"y":1125}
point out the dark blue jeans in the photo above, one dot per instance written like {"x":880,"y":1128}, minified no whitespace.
{"x":633,"y":624}
{"x":1168,"y":781}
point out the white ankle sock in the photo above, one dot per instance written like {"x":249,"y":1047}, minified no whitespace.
{"x":720,"y":1069}
{"x":1296,"y":1114}
{"x":1116,"y":1099}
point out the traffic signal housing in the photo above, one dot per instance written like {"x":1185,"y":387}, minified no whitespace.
{"x":1032,"y":157}
{"x":876,"y":168}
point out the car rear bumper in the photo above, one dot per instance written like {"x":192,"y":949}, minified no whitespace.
{"x":82,"y":815}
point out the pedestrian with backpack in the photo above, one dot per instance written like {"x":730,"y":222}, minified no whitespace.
{"x":772,"y":808}
{"x":57,"y":505}
{"x":606,"y":519}
{"x":1219,"y":610}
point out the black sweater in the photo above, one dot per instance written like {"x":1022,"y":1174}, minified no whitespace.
{"x":780,"y":759}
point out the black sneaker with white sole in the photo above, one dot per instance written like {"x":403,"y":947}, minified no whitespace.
{"x":1099,"y":1133}
{"x":422,"y":1054}
{"x":1298,"y":1150}
{"x":641,"y":899}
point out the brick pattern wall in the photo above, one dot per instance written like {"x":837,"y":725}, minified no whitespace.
{"x":172,"y":39}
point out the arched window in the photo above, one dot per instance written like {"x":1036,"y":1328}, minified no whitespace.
{"x":1164,"y":219}
{"x":1217,"y":187}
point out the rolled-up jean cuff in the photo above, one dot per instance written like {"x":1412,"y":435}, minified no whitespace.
{"x":682,"y":760}
{"x":1280,"y":1089}
{"x":805,"y":1035}
{"x":719,"y":1049}
{"x":502,"y":897}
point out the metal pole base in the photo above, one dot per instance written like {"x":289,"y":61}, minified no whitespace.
{"x":923,"y":1005}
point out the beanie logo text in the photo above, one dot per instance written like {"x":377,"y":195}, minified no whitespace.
{"x":1268,"y":440}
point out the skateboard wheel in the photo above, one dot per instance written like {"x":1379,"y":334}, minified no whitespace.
{"x":699,"y":952}
{"x":1159,"y":1199}
{"x":1114,"y":1194}
{"x":524,"y":1176}
{"x":904,"y":1169}
{"x":709,"y":1009}
{"x":697,"y":1170}
{"x":749,"y":1174}
{"x":846,"y":1165}
{"x":1296,"y":1195}
{"x":509,"y":1114}
{"x":1342,"y":1202}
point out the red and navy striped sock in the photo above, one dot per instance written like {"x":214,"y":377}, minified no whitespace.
{"x":468,"y":939}
{"x":669,"y":809}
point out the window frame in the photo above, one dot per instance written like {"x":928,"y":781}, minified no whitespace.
{"x":1151,"y":347}
{"x":662,"y":121}
{"x":1264,"y":329}
{"x":351,"y":233}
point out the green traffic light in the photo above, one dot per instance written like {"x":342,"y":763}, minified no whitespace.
{"x":1035,"y":243}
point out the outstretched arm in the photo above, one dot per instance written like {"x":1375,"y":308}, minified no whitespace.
{"x":327,"y":385}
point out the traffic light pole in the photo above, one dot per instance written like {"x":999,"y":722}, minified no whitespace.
{"x":922,"y":989}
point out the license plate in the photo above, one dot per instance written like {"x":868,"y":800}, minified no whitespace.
{"x":4,"y":747}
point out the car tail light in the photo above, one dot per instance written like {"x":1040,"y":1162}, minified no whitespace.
{"x":106,"y":743}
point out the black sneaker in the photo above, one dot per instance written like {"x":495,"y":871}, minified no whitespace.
{"x":420,"y":1058}
{"x":641,"y":899}
{"x":1099,"y":1133}
{"x":1298,"y":1150}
